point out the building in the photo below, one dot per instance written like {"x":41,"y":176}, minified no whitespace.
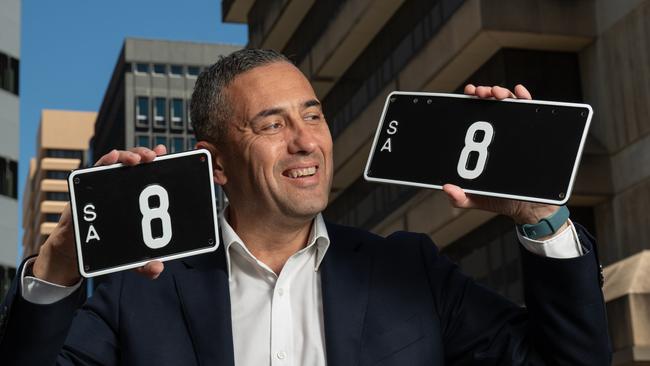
{"x":147,"y":100}
{"x":9,"y":151}
{"x":61,"y":146}
{"x":357,"y":51}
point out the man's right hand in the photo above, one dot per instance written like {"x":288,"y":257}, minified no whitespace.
{"x":57,"y":259}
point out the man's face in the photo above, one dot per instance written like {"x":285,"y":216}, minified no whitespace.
{"x":277,"y":157}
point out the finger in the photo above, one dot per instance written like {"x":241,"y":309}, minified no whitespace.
{"x":160,"y":149}
{"x":457,"y":196}
{"x":151,"y":270}
{"x":108,"y":159}
{"x":128,"y":157}
{"x":484,"y":92}
{"x":146,"y":155}
{"x":501,"y":93}
{"x":522,"y":93}
{"x":470,"y":89}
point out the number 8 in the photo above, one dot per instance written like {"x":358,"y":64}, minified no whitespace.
{"x":149,"y":213}
{"x":480,"y":147}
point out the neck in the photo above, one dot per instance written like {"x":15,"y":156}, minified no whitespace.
{"x":271,"y":241}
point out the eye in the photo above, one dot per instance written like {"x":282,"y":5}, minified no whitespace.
{"x":270,"y":127}
{"x":312,"y":117}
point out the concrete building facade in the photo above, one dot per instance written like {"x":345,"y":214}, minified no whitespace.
{"x":355,"y":52}
{"x":147,"y":100}
{"x":61,"y":146}
{"x":9,"y":149}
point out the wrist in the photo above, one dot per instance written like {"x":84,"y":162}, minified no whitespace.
{"x":54,"y":266}
{"x":534,"y":214}
{"x":547,"y":226}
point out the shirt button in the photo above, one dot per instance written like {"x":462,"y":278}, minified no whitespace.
{"x":280,"y":291}
{"x":281,"y":355}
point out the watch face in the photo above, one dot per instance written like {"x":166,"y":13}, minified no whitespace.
{"x":527,"y":150}
{"x":125,"y":216}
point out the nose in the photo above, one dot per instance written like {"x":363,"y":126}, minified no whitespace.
{"x":302,"y":139}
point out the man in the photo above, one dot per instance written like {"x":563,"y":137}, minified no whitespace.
{"x":285,"y":288}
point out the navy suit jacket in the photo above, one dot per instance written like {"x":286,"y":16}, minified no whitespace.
{"x":386,"y":301}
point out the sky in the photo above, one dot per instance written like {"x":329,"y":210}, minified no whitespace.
{"x":69,"y":49}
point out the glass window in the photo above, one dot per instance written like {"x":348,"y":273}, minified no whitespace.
{"x":191,"y":143}
{"x":143,"y":68}
{"x":9,"y":73}
{"x":4,"y":65}
{"x":57,"y":196}
{"x":142,"y":140}
{"x":159,"y":69}
{"x":178,"y":144}
{"x":12,"y":76}
{"x":57,"y":174}
{"x":189,"y":117}
{"x":142,"y":112}
{"x":160,"y":113}
{"x":176,"y":111}
{"x":160,"y":140}
{"x":193,"y":70}
{"x":176,"y":70}
{"x":66,"y":154}
{"x":52,"y":217}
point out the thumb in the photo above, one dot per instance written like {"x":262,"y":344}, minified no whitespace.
{"x":457,"y":196}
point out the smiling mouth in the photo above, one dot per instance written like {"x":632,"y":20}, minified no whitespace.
{"x":300,"y":172}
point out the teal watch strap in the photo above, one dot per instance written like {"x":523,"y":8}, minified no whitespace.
{"x":546,"y":226}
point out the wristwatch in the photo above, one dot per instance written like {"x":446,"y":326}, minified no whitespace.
{"x":546,"y":226}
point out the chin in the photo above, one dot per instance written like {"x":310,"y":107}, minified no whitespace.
{"x":308,"y":209}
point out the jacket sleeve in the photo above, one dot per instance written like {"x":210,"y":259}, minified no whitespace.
{"x":564,"y":321}
{"x":32,"y":334}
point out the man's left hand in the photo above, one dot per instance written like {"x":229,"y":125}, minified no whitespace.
{"x":521,"y":212}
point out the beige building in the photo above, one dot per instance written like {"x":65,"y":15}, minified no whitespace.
{"x":355,"y":52}
{"x":62,"y":145}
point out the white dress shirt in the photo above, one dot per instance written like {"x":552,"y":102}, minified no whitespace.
{"x":278,"y":319}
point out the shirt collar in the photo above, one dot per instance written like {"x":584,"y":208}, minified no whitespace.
{"x":318,"y":236}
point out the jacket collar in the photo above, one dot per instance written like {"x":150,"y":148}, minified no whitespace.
{"x":345,"y":279}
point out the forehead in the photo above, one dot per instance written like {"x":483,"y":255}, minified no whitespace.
{"x":276,"y":85}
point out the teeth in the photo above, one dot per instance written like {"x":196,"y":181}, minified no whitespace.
{"x":296,"y":173}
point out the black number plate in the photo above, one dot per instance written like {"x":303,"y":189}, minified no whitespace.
{"x":518,"y":149}
{"x":126,"y":216}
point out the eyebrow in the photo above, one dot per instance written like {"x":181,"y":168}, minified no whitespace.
{"x":274,"y":111}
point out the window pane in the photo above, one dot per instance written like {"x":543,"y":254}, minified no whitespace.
{"x":142,"y":68}
{"x":52,"y":217}
{"x":159,"y":69}
{"x":4,"y":65}
{"x":3,"y":176}
{"x":160,"y":113}
{"x":12,"y":80}
{"x":142,"y":140}
{"x":160,"y":140}
{"x":176,"y":70}
{"x":177,"y":113}
{"x":57,"y":174}
{"x":193,"y":70}
{"x":189,"y":116}
{"x":191,"y":143}
{"x":178,"y":144}
{"x":67,"y":154}
{"x":57,"y":196}
{"x":142,"y":112}
{"x":12,"y":176}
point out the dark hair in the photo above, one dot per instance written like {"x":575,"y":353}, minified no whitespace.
{"x":210,"y":108}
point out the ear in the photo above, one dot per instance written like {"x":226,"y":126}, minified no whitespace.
{"x":218,"y":172}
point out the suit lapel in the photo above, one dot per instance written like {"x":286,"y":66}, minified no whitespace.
{"x":344,"y":281}
{"x":205,"y":297}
